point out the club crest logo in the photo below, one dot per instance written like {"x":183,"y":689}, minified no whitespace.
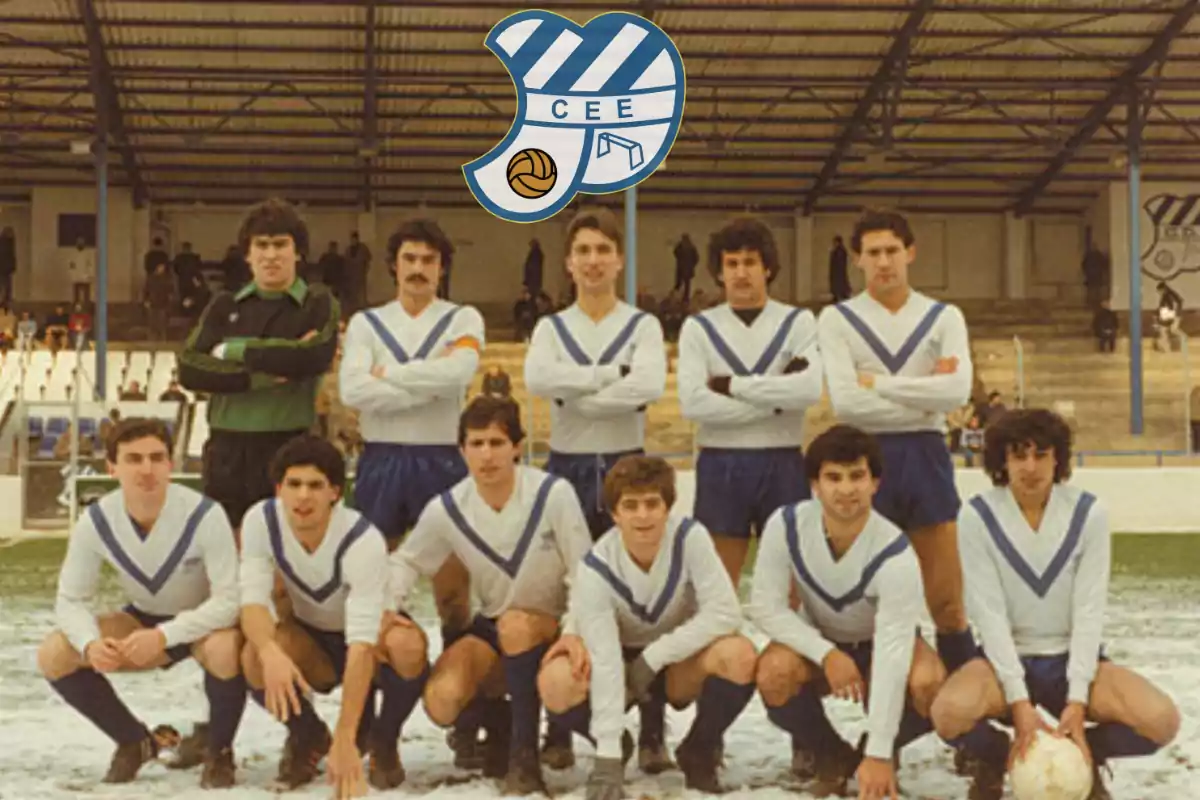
{"x":1174,"y":223}
{"x":598,"y":108}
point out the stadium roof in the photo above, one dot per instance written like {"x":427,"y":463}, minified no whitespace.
{"x":943,"y":105}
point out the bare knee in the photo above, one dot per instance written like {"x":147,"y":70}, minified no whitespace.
{"x":520,"y":631}
{"x":220,"y":653}
{"x":736,"y":659}
{"x":57,"y":658}
{"x":1162,"y":720}
{"x":559,"y":688}
{"x":924,"y":684}
{"x":443,"y":699}
{"x":252,"y":666}
{"x":955,"y":710}
{"x":407,"y":650}
{"x":777,"y":676}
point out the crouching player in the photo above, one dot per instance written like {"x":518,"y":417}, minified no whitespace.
{"x":519,"y":532}
{"x":1036,"y":557}
{"x":175,"y":558}
{"x":855,"y":634}
{"x":655,"y":612}
{"x":334,"y":567}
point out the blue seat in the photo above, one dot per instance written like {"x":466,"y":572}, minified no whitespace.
{"x":87,"y":426}
{"x":46,"y":446}
{"x":57,"y":425}
{"x":36,"y":426}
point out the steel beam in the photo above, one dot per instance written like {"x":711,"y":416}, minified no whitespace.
{"x":109,"y":121}
{"x":1121,"y":88}
{"x":879,"y":83}
{"x":370,"y":128}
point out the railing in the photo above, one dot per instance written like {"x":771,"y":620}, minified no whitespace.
{"x":1187,"y":393}
{"x":1020,"y":387}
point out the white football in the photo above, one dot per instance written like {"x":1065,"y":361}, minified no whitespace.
{"x":1053,"y":769}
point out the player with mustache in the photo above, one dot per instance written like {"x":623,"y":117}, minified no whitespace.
{"x":406,"y":367}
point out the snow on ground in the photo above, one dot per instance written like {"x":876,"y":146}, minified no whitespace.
{"x":47,"y":752}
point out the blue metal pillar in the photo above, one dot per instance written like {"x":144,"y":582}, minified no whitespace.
{"x":101,"y":316}
{"x":631,"y":278}
{"x":1134,"y":139}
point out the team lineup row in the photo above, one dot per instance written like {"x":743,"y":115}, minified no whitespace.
{"x":893,"y":360}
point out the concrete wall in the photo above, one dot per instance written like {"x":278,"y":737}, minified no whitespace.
{"x":958,"y":257}
{"x":1169,"y":251}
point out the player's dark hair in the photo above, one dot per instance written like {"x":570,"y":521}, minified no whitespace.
{"x":486,"y":410}
{"x":743,"y":233}
{"x":273,"y":217}
{"x":842,"y":444}
{"x":596,"y":218}
{"x":133,"y":428}
{"x":875,"y":220}
{"x":422,"y":230}
{"x":307,"y":450}
{"x":639,"y":475}
{"x":1015,"y":430}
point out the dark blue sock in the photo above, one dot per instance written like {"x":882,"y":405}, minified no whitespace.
{"x":803,"y":716}
{"x":718,"y":706}
{"x":652,"y":713}
{"x":90,"y":693}
{"x":226,"y":702}
{"x":520,"y":675}
{"x":556,"y":734}
{"x":400,"y":697}
{"x":300,"y":724}
{"x":577,"y":719}
{"x":956,"y":649}
{"x":1116,"y":740}
{"x":985,"y":743}
{"x":912,"y":727}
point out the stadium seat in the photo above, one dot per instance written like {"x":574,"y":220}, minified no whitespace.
{"x":57,"y":426}
{"x":46,"y":446}
{"x":87,"y":426}
{"x":36,"y":427}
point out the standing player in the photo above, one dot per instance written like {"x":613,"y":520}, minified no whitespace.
{"x":406,"y":367}
{"x":260,"y":355}
{"x":897,"y":362}
{"x":334,"y":565}
{"x":599,"y":362}
{"x":653,"y":605}
{"x":176,"y":561}
{"x":1037,"y":555}
{"x":853,"y":637}
{"x":519,"y":532}
{"x":748,"y":370}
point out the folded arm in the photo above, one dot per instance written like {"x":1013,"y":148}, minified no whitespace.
{"x":199,"y":370}
{"x":294,"y":358}
{"x":361,"y":390}
{"x":644,"y":383}
{"x":450,"y":368}
{"x":549,"y":376}
{"x":944,"y":392}
{"x":697,"y":401}
{"x":850,"y":401}
{"x":795,"y":391}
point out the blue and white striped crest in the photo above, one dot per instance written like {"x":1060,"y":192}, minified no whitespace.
{"x":604,"y":101}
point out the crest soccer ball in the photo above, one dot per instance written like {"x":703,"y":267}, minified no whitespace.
{"x":1053,"y":769}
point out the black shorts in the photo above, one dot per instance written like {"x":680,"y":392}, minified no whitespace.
{"x":176,"y":653}
{"x":235,"y":468}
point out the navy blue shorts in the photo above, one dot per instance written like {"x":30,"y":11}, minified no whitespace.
{"x":394,"y":482}
{"x":176,"y":653}
{"x":1046,"y":681}
{"x":918,"y":488}
{"x":586,"y":472}
{"x":738,"y":490}
{"x":481,"y":627}
{"x":333,"y":645}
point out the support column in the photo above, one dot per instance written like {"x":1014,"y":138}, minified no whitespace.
{"x":101,"y":320}
{"x":1134,"y":140}
{"x":379,"y":286}
{"x":1016,"y":256}
{"x":141,"y":246}
{"x":804,"y":276}
{"x":631,"y":245}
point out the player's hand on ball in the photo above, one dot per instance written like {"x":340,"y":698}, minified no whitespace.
{"x":866,"y":380}
{"x":1071,"y":726}
{"x":103,"y":655}
{"x":142,"y":648}
{"x":1026,"y":724}
{"x":572,"y":647}
{"x":638,"y":677}
{"x":876,"y":780}
{"x":281,"y":679}
{"x":946,"y":366}
{"x":845,"y":681}
{"x":606,"y":781}
{"x":346,"y":768}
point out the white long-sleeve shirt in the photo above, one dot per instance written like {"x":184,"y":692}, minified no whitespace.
{"x":575,"y":362}
{"x":1042,"y":592}
{"x":340,"y":586}
{"x":874,"y":591}
{"x":900,"y":350}
{"x":186,"y":567}
{"x":681,"y":605}
{"x":425,"y":380}
{"x":766,"y":407}
{"x":521,"y":556}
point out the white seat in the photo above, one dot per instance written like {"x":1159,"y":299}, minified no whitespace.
{"x":139,"y":361}
{"x":166,"y":359}
{"x":199,"y":433}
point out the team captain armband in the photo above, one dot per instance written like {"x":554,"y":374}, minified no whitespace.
{"x":465,"y":341}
